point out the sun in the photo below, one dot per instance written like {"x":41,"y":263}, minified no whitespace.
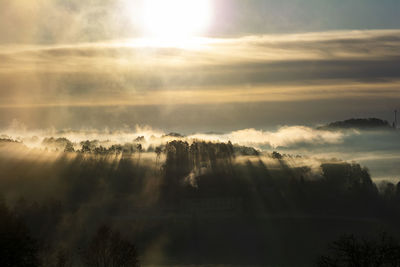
{"x":175,"y":19}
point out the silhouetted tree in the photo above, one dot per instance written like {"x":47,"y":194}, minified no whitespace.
{"x":158,"y":152}
{"x":140,"y":139}
{"x":108,"y":249}
{"x":350,"y":251}
{"x":69,"y":147}
{"x":177,"y":164}
{"x":85,"y":147}
{"x":348,"y":177}
{"x":17,"y":247}
{"x":276,"y":155}
{"x":139,"y":149}
{"x":388,"y":190}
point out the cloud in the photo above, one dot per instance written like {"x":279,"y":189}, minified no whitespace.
{"x":54,"y":21}
{"x":376,"y":149}
{"x":284,"y":137}
{"x":288,"y":67}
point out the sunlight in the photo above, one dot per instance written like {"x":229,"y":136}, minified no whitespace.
{"x":175,"y":20}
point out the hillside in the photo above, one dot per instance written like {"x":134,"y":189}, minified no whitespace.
{"x":360,"y":124}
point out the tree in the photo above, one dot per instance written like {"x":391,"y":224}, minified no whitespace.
{"x":140,"y":139}
{"x":158,"y":152}
{"x":140,"y":150}
{"x":350,"y":251}
{"x":108,"y":249}
{"x":17,"y":247}
{"x":69,"y":147}
{"x":63,"y":259}
{"x":177,"y":164}
{"x":276,"y":155}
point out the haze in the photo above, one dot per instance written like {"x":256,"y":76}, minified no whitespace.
{"x":199,"y":133}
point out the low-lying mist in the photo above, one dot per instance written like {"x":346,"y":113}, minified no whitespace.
{"x":244,"y":197}
{"x":377,"y":149}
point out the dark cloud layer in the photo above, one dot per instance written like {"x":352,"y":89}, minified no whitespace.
{"x":257,"y":68}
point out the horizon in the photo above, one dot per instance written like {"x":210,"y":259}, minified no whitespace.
{"x":199,"y":133}
{"x":280,"y":63}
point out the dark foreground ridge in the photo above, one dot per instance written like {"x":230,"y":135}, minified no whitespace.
{"x":198,"y":204}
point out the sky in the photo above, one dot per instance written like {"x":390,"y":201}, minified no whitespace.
{"x":258,"y":64}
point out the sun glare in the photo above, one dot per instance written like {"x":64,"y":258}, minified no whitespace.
{"x":174,"y":20}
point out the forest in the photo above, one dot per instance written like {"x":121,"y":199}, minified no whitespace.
{"x":199,"y":133}
{"x":180,"y":203}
